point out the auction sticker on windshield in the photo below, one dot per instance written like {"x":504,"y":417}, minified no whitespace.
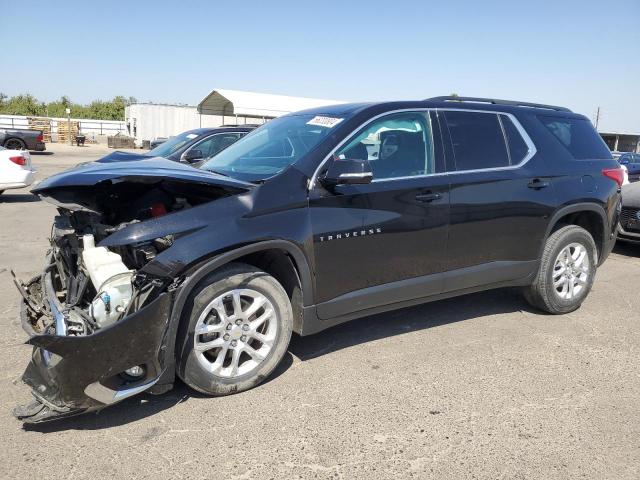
{"x":328,"y":122}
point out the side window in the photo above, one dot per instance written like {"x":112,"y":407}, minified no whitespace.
{"x":398,"y":145}
{"x":518,"y":149}
{"x":216,"y":143}
{"x":477,"y":139}
{"x":222,"y":141}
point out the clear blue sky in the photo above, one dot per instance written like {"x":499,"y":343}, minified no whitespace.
{"x":577,"y":53}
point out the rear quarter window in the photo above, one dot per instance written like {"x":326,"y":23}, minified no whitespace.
{"x":578,"y":136}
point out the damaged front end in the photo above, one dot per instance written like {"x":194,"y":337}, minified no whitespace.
{"x":96,"y":317}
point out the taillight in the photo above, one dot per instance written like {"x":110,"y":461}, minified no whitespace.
{"x":615,"y":174}
{"x":40,"y":138}
{"x":18,"y":160}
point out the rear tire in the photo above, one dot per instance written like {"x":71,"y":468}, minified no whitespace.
{"x":567,"y":271}
{"x":15,"y":144}
{"x":234,"y":332}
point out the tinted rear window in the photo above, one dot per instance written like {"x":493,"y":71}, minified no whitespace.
{"x":477,"y":140}
{"x":578,"y":136}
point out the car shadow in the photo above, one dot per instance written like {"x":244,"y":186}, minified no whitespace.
{"x":627,"y":249}
{"x":410,"y":319}
{"x":41,"y":153}
{"x":352,"y":333}
{"x":18,"y":198}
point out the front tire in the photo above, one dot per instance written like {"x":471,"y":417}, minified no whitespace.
{"x":234,"y":332}
{"x":567,"y":271}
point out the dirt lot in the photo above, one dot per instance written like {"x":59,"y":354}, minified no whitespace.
{"x":476,"y":387}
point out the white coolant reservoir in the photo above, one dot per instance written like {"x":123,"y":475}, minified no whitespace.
{"x":111,"y":279}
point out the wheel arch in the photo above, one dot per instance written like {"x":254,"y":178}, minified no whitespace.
{"x":260,"y":254}
{"x":590,"y":216}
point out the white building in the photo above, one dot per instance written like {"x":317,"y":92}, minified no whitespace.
{"x":622,"y":142}
{"x":147,"y":121}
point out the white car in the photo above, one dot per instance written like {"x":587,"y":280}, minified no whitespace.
{"x":15,"y":169}
{"x":625,"y":175}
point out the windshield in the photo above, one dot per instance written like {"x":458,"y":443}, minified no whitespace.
{"x":172,"y":145}
{"x":272,"y":147}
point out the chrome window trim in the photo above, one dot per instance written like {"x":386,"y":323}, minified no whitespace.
{"x":523,"y":133}
{"x":355,"y":175}
{"x":506,"y":140}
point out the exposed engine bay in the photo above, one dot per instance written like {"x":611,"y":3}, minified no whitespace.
{"x":97,"y":286}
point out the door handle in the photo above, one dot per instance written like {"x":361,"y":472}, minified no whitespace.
{"x":537,"y":184}
{"x":428,"y":197}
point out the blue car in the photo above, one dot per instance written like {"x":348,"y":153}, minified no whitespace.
{"x":632,"y":162}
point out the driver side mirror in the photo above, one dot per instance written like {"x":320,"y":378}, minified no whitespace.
{"x":347,"y":172}
{"x":191,"y":155}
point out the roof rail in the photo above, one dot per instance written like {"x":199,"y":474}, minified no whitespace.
{"x":494,"y":101}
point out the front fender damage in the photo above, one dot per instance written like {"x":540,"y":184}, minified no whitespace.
{"x":98,"y":315}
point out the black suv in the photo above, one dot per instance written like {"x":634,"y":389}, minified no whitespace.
{"x":159,"y":269}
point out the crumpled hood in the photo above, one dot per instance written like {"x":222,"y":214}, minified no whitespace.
{"x":631,"y":195}
{"x":122,"y":166}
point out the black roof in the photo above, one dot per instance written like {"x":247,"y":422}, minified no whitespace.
{"x":476,"y":103}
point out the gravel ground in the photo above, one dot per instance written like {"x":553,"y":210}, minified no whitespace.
{"x":480,"y":386}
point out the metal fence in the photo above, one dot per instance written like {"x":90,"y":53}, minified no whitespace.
{"x":95,"y":127}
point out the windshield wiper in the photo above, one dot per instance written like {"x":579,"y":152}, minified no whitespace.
{"x":216,"y":172}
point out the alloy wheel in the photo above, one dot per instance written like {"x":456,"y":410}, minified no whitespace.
{"x":235,"y":332}
{"x":13,"y":144}
{"x":571,"y":271}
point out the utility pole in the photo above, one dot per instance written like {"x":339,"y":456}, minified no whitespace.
{"x":69,"y":126}
{"x":597,"y":117}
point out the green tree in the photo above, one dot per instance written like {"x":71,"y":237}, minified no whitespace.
{"x":23,"y":105}
{"x":27,"y":104}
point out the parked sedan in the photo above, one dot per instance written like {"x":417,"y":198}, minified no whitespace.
{"x":15,"y":169}
{"x":200,"y":144}
{"x":632,"y":163}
